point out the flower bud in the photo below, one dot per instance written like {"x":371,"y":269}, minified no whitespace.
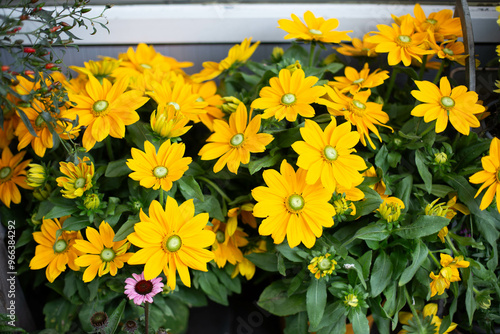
{"x":483,"y":300}
{"x":351,"y":300}
{"x":92,"y":201}
{"x":294,"y":67}
{"x":42,"y":193}
{"x":277,"y":54}
{"x":230,"y":105}
{"x":36,"y":176}
{"x":440,"y":158}
{"x":35,"y":221}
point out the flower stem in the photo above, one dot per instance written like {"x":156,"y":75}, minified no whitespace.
{"x":390,"y":86}
{"x":412,"y":308}
{"x":434,"y":258}
{"x":438,"y":74}
{"x":109,"y":149}
{"x":216,"y":187}
{"x":146,"y":317}
{"x":455,"y":251}
{"x":311,"y":53}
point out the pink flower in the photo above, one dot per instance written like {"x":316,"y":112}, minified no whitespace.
{"x":141,"y":290}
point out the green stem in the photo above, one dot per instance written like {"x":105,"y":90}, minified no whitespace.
{"x":434,"y":259}
{"x":438,"y":74}
{"x":146,"y":317}
{"x":311,"y":53}
{"x":390,"y":86}
{"x":455,"y":251}
{"x":426,"y":131}
{"x":422,"y":68}
{"x":216,"y":187}
{"x":412,"y":308}
{"x":109,"y":149}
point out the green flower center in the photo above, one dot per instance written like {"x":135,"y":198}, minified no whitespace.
{"x":295,"y":203}
{"x":60,"y":246}
{"x":160,"y":172}
{"x":80,"y":182}
{"x":108,"y":254}
{"x":173,"y":243}
{"x":39,"y":121}
{"x":431,"y":21}
{"x":175,"y":105}
{"x":330,"y":153}
{"x":100,"y":106}
{"x":5,"y":172}
{"x":447,"y":102}
{"x":315,"y":32}
{"x":146,"y":66}
{"x":237,"y":139}
{"x":220,"y":237}
{"x":200,"y":99}
{"x":448,"y":52}
{"x":404,"y":38}
{"x":359,"y":104}
{"x":325,"y":264}
{"x":358,"y":81}
{"x":288,"y":99}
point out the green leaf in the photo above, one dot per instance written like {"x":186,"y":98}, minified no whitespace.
{"x":422,"y":227}
{"x":114,"y":318}
{"x":438,"y":190}
{"x":359,"y":322}
{"x":275,"y":300}
{"x":210,"y":285}
{"x":61,"y":209}
{"x":403,"y":191}
{"x":423,"y":170}
{"x":316,"y":301}
{"x":190,"y":188}
{"x":76,"y":223}
{"x":293,"y":254}
{"x":470,"y":301}
{"x":333,"y":318}
{"x":210,"y":205}
{"x":418,"y":256}
{"x":281,"y":264}
{"x":267,"y":161}
{"x":59,"y":314}
{"x":381,"y":274}
{"x":381,"y":159}
{"x":358,"y":268}
{"x":125,"y":229}
{"x":266,"y":261}
{"x":296,"y":324}
{"x":117,"y":168}
{"x":297,"y":52}
{"x":375,"y":232}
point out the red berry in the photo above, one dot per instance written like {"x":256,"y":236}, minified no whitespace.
{"x":54,"y":29}
{"x":49,"y":65}
{"x":23,"y":17}
{"x":29,"y":72}
{"x":29,"y":50}
{"x":5,"y":68}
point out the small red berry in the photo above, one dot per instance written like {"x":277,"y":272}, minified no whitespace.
{"x":29,"y":50}
{"x":29,"y":72}
{"x":24,"y":17}
{"x":49,"y":65}
{"x":54,"y":29}
{"x":5,"y":68}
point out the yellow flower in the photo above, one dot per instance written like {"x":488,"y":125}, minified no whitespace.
{"x":359,"y":48}
{"x":10,"y":122}
{"x":207,"y":92}
{"x":390,"y":209}
{"x":323,"y":265}
{"x":54,"y":253}
{"x":179,"y":95}
{"x":454,"y":51}
{"x":167,"y":122}
{"x":351,"y":300}
{"x":430,"y":310}
{"x":77,"y":179}
{"x":489,"y":176}
{"x":37,"y":175}
{"x":246,"y":215}
{"x":327,"y":155}
{"x":401,"y":43}
{"x":442,"y":24}
{"x":234,"y":141}
{"x":379,"y":187}
{"x":341,"y":206}
{"x":314,"y":29}
{"x":172,"y":240}
{"x":357,"y":110}
{"x":441,"y":209}
{"x":288,"y":95}
{"x":100,"y":69}
{"x":226,"y":248}
{"x":155,"y":170}
{"x":91,"y":201}
{"x":12,"y":175}
{"x":238,"y":55}
{"x":106,"y":110}
{"x":291,"y":207}
{"x":448,"y":273}
{"x":246,"y":267}
{"x":354,"y":81}
{"x":443,"y":103}
{"x":102,"y":254}
{"x":442,"y":234}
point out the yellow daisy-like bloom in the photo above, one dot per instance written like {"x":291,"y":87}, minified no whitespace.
{"x":314,"y":29}
{"x":321,"y":266}
{"x":390,"y":209}
{"x":55,"y":254}
{"x":430,"y":310}
{"x":77,"y":179}
{"x":167,"y":122}
{"x":443,"y":103}
{"x":226,"y":248}
{"x":172,"y":239}
{"x":246,"y":215}
{"x":327,"y":155}
{"x":442,"y":24}
{"x":291,"y":207}
{"x":207,"y":92}
{"x":246,"y":267}
{"x":454,"y":51}
{"x":359,"y":48}
{"x":179,"y":95}
{"x":106,"y":110}
{"x":448,"y":273}
{"x":102,"y":254}
{"x":12,"y":175}
{"x":354,"y":81}
{"x":155,"y":170}
{"x":289,"y":95}
{"x":99,"y":69}
{"x":234,"y":141}
{"x":489,"y":176}
{"x":237,"y":55}
{"x":357,"y":110}
{"x":401,"y":42}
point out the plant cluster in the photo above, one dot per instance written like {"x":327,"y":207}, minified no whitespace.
{"x":365,"y":194}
